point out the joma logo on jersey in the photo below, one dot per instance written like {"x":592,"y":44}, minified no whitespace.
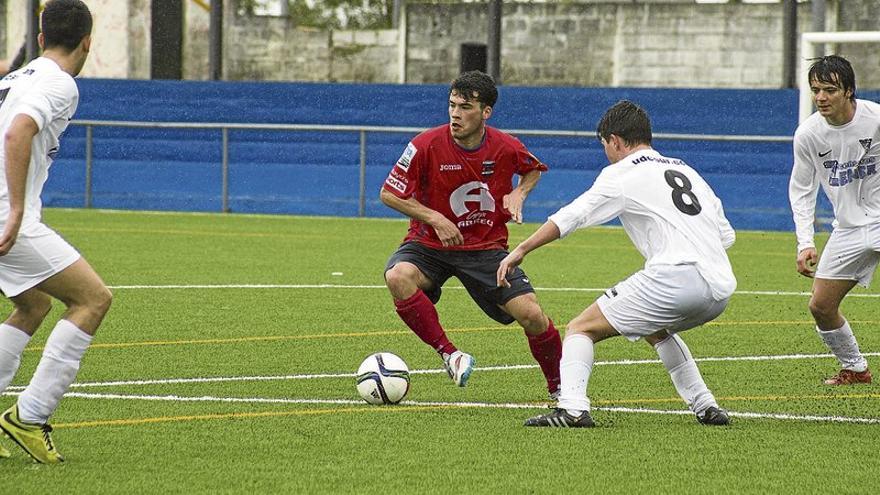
{"x":472,"y":192}
{"x":448,"y":167}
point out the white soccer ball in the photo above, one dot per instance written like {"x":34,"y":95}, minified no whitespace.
{"x":383,"y":378}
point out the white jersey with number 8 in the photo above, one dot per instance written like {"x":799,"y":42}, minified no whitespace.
{"x":669,"y":212}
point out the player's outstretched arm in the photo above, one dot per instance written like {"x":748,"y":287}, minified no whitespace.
{"x":546,"y":234}
{"x":806,"y":262}
{"x":17,"y":146}
{"x":447,"y":231}
{"x":514,"y":201}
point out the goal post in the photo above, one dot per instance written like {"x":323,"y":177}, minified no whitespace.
{"x":808,"y":40}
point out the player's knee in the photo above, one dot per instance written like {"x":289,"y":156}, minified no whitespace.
{"x":821,"y":309}
{"x":99,"y":303}
{"x":533,"y":320}
{"x":400,"y":279}
{"x":576,"y":326}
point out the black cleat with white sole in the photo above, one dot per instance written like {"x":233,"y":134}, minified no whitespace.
{"x":714,"y":416}
{"x":560,"y":418}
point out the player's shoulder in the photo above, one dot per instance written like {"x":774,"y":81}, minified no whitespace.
{"x":810,"y":126}
{"x":49,"y":76}
{"x":503,"y":138}
{"x":871,"y":109}
{"x":431,"y":135}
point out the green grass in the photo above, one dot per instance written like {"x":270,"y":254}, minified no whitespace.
{"x":123,"y":444}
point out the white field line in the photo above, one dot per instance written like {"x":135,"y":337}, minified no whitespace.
{"x":479,"y":405}
{"x":339,"y":286}
{"x":511,"y":367}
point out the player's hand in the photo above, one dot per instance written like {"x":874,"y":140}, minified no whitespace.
{"x":513,"y":203}
{"x":9,"y":236}
{"x":806,"y":262}
{"x":507,"y":265}
{"x":447,"y":232}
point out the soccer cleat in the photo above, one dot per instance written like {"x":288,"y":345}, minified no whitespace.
{"x":714,"y":416}
{"x":849,"y":377}
{"x":35,"y":439}
{"x":560,"y":418}
{"x":459,"y":366}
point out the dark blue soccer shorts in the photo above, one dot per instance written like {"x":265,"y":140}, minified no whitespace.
{"x":475,"y":269}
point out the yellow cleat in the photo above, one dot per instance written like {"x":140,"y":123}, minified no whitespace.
{"x":35,"y":439}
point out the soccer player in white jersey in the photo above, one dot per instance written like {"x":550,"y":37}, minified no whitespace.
{"x":677,"y":223}
{"x":838,"y":147}
{"x":36,"y":264}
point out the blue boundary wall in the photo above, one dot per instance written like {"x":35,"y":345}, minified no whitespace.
{"x":316,"y":173}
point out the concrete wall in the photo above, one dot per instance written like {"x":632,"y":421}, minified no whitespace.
{"x":644,"y":44}
{"x":861,"y":16}
{"x":120,"y":29}
{"x":648,"y":43}
{"x":195,"y":41}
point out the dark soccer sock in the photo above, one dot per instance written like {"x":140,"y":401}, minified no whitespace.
{"x":420,"y":315}
{"x":547,"y":351}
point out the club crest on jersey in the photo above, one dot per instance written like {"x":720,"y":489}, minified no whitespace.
{"x":866,"y":143}
{"x":407,"y":156}
{"x":488,"y":168}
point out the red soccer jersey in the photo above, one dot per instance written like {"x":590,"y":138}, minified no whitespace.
{"x":466,"y":186}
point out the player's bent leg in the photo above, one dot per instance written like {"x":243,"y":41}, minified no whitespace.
{"x":407,"y":285}
{"x":825,"y":302}
{"x":836,"y":333}
{"x":81,"y":289}
{"x":87,"y":300}
{"x":545,"y":343}
{"x":575,"y":367}
{"x":686,"y":377}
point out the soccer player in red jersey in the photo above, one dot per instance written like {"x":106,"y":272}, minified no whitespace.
{"x":455,"y":182}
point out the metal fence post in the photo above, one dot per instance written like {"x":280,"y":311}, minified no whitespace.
{"x":362,"y":203}
{"x":225,"y":171}
{"x":88,"y":192}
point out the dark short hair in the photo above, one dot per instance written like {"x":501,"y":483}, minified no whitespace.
{"x":836,"y":70}
{"x":628,"y":121}
{"x":476,"y":85}
{"x":65,"y":23}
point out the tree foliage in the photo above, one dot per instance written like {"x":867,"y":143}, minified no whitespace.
{"x":329,"y":14}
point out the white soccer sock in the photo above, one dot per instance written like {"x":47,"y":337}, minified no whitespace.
{"x":685,"y":375}
{"x":12,"y":344}
{"x":843,"y":344}
{"x":574,"y":372}
{"x":56,"y":371}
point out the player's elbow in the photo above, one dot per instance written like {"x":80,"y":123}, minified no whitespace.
{"x":728,"y":238}
{"x":385,"y":197}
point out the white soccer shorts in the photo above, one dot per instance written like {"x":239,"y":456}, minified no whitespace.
{"x":38,"y":254}
{"x":851,"y":254}
{"x":665,"y":297}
